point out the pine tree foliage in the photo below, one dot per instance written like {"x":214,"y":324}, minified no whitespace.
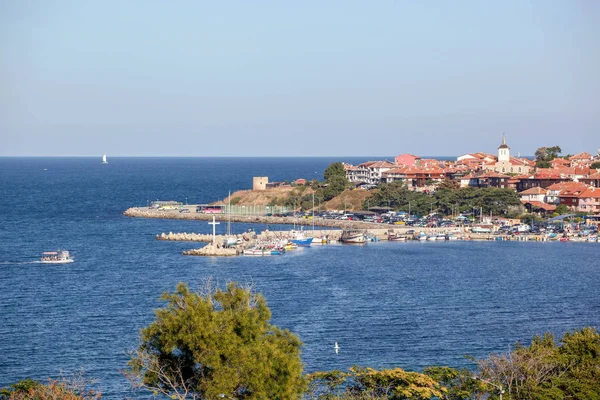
{"x":217,"y":344}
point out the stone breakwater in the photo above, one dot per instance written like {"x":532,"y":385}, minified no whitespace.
{"x":144,"y":212}
{"x":213,"y":250}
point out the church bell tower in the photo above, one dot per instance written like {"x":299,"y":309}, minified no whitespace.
{"x":503,"y":151}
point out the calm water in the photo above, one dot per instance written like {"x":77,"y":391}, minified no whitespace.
{"x":387,"y":304}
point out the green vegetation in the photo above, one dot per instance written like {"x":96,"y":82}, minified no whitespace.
{"x":335,"y":180}
{"x":544,"y":155}
{"x":67,"y":389}
{"x":561,"y":209}
{"x":368,"y":383}
{"x":448,"y":199}
{"x":220,"y":342}
{"x":595,"y":165}
{"x":545,"y":370}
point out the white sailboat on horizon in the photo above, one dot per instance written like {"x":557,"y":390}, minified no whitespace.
{"x":104,"y":159}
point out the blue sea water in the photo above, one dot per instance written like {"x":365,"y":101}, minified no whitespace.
{"x":386,"y":304}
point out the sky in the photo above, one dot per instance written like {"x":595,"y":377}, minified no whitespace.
{"x":297,"y":78}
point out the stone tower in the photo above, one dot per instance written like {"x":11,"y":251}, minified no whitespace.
{"x":260,"y":182}
{"x":503,"y":151}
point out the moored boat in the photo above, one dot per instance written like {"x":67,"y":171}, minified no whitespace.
{"x":300,"y":238}
{"x":396,"y":238}
{"x":57,"y":257}
{"x":257,"y":252}
{"x":353,"y":237}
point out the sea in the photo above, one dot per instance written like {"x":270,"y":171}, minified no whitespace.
{"x":407,"y":305}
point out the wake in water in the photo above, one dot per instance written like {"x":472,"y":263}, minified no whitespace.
{"x":20,"y":262}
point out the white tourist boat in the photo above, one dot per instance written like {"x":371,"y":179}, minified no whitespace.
{"x":104,"y":159}
{"x":57,"y":257}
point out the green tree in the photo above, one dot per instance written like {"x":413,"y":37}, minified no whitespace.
{"x":75,"y":388}
{"x":369,"y":383}
{"x":214,"y":344}
{"x":458,"y":384}
{"x":595,"y":165}
{"x":544,"y":155}
{"x":562,"y":209}
{"x":545,"y":370}
{"x":335,"y":180}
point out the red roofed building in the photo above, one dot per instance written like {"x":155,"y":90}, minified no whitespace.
{"x":534,"y":194}
{"x":406,"y":159}
{"x":581,"y":158}
{"x":539,"y":207}
{"x":369,"y":172}
{"x":589,"y":200}
{"x":414,"y":177}
{"x":582,"y":200}
{"x":592,"y":180}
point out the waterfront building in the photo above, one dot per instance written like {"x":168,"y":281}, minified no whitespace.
{"x":369,"y":172}
{"x":534,"y":194}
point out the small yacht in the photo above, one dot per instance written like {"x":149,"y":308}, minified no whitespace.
{"x":57,"y":257}
{"x":104,"y":159}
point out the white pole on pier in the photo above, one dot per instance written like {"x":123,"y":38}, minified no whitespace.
{"x":214,"y":225}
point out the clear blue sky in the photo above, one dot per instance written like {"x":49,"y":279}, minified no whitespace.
{"x":291,"y":78}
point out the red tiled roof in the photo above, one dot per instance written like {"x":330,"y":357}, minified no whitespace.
{"x":535,"y":190}
{"x":581,"y":156}
{"x":590,"y":192}
{"x":542,"y":205}
{"x":567,"y":185}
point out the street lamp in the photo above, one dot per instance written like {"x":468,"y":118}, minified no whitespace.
{"x":499,"y":387}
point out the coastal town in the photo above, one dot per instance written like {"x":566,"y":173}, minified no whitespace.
{"x":572,"y":181}
{"x":478,"y":196}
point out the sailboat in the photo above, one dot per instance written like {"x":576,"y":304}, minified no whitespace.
{"x":104,"y":159}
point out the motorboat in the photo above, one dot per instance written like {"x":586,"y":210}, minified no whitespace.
{"x":57,"y":257}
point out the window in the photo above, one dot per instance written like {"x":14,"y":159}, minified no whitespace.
{"x":519,"y":169}
{"x":503,"y":169}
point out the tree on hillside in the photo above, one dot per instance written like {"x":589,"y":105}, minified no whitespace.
{"x":397,"y":196}
{"x":595,"y":165}
{"x":217,"y":344}
{"x":544,"y":155}
{"x":335,"y":180}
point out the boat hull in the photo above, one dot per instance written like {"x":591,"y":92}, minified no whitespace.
{"x":303,"y":242}
{"x":359,"y":239}
{"x":57,"y":261}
